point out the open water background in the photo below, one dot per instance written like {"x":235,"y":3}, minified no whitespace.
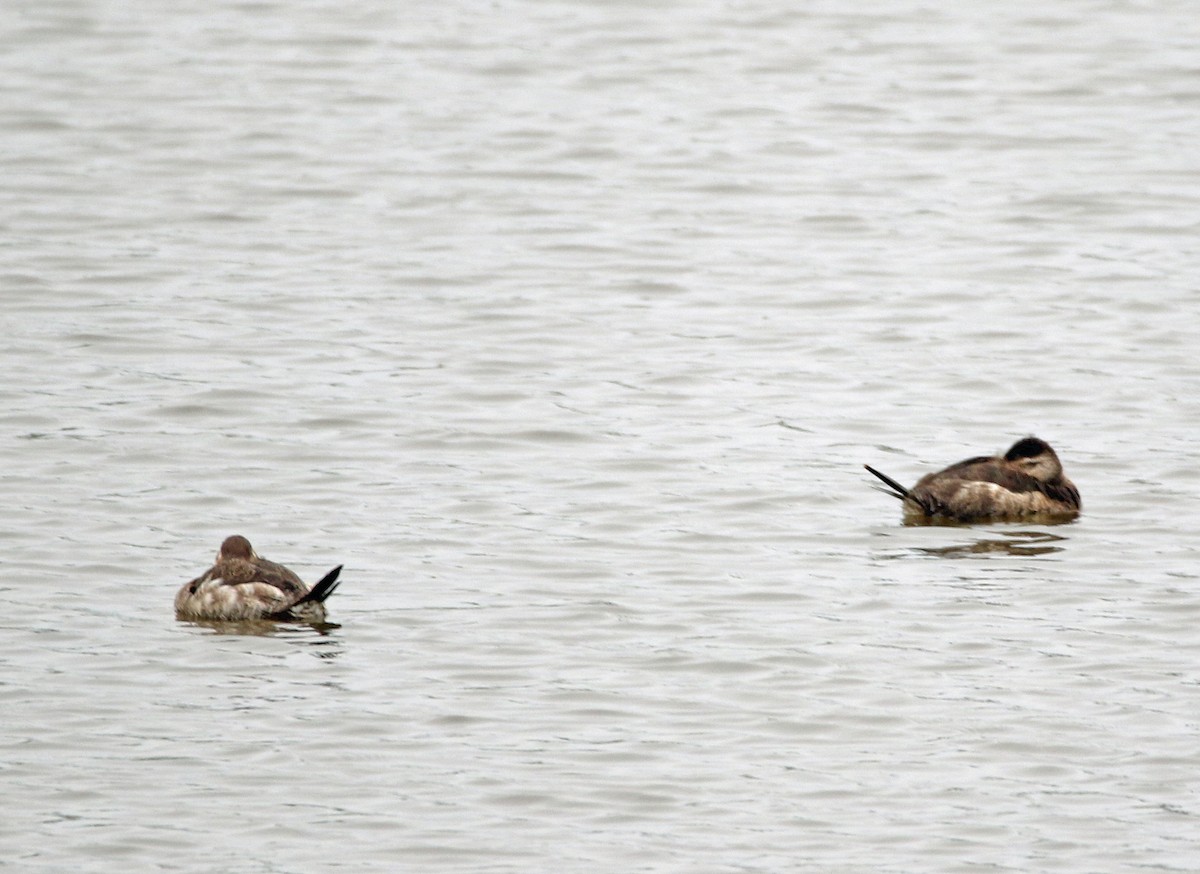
{"x":567,"y":327}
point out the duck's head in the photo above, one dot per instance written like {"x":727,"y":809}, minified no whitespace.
{"x":236,"y":546}
{"x":1031,"y":456}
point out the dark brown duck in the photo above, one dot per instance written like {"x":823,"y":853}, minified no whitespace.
{"x":1026,"y":482}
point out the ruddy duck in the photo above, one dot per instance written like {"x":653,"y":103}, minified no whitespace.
{"x":240,"y":586}
{"x":1027,"y":481}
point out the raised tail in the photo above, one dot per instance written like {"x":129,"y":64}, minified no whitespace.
{"x":896,"y":490}
{"x":323,"y":589}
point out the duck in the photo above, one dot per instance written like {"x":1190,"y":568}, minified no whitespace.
{"x":1025,"y":483}
{"x":241,"y":585}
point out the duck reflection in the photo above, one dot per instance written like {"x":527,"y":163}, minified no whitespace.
{"x":1019,"y":543}
{"x":265,"y":627}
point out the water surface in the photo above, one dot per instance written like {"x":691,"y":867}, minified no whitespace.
{"x":567,"y":328}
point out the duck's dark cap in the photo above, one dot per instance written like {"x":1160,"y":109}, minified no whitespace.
{"x":1027,"y":448}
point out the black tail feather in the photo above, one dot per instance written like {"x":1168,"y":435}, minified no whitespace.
{"x":897,"y":490}
{"x":324,"y":588}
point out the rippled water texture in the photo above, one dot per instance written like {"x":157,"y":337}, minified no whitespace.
{"x":567,"y":327}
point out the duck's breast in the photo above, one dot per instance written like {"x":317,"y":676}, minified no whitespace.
{"x":216,"y":599}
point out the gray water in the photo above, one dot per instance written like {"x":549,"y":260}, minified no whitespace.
{"x":567,"y":328}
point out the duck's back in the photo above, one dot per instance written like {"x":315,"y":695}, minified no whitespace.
{"x":988,"y":488}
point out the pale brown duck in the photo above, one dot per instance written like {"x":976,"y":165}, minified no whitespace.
{"x":241,"y":585}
